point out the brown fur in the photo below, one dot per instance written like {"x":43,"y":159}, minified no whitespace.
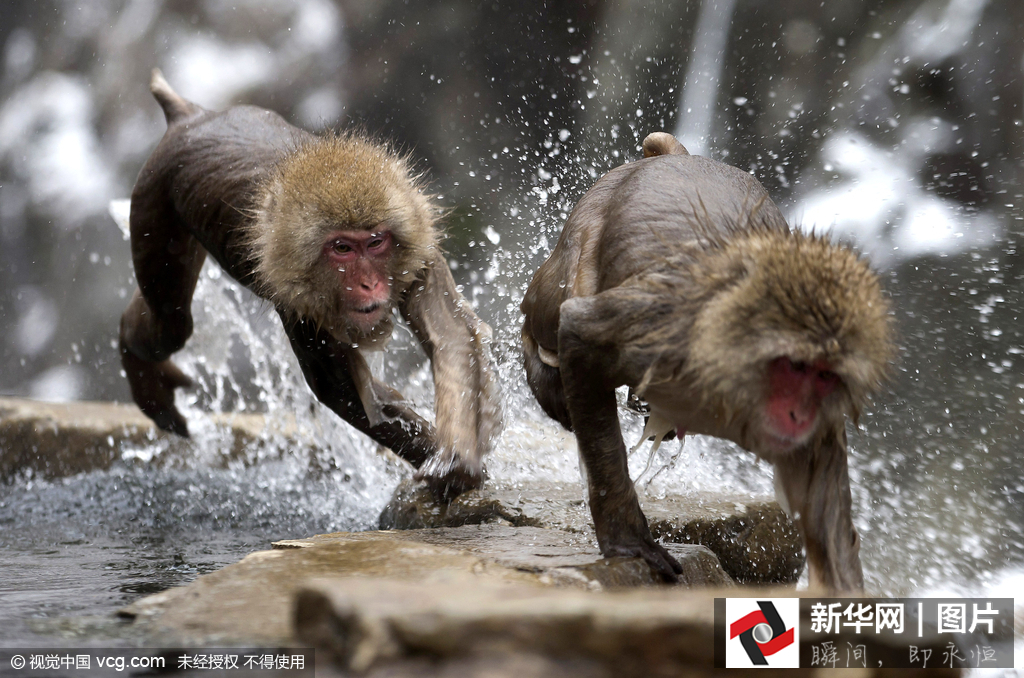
{"x":328,"y":182}
{"x":262,"y":197}
{"x":677,"y":276}
{"x":780,"y":293}
{"x":660,"y":143}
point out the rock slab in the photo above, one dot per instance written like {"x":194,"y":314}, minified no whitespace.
{"x":553,"y":556}
{"x":629,"y":633}
{"x":475,"y":601}
{"x":57,"y":440}
{"x":753,"y":538}
{"x":475,"y":629}
{"x":222,"y":607}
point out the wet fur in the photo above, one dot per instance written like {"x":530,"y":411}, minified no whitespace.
{"x":677,"y":275}
{"x":331,"y":180}
{"x":261,"y":197}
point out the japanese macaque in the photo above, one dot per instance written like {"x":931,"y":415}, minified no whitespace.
{"x":335,"y":232}
{"x":678,"y":276}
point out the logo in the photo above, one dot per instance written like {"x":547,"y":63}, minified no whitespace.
{"x":762,"y":633}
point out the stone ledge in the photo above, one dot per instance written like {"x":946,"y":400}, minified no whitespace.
{"x":56,"y":440}
{"x":752,"y":537}
{"x":476,"y":629}
{"x":469,"y":602}
{"x":220,"y":607}
{"x":554,"y":556}
{"x":635,"y":633}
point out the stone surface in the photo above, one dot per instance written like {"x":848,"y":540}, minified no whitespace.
{"x":56,"y":440}
{"x":753,"y":538}
{"x":61,"y":439}
{"x":554,"y":556}
{"x":474,"y":628}
{"x":221,"y":607}
{"x":634,"y":633}
{"x":467,"y":602}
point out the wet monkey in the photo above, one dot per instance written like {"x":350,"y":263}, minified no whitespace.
{"x":678,"y":276}
{"x":335,"y":232}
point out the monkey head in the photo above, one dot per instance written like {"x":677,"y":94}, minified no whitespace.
{"x":809,"y":320}
{"x":340,"y":233}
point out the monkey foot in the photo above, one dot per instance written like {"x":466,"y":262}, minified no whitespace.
{"x":660,"y":560}
{"x":448,"y":476}
{"x":152,"y":385}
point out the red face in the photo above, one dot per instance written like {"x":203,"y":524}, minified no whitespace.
{"x":360,"y":259}
{"x":795,"y":392}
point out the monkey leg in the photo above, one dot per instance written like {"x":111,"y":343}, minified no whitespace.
{"x":621,"y":526}
{"x":158,"y":320}
{"x":327,"y":365}
{"x":816,"y":485}
{"x":546,"y":383}
{"x":152,"y":383}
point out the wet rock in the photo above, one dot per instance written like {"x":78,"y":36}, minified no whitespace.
{"x":555,"y":556}
{"x":472,"y":601}
{"x":754,"y":540}
{"x":473,"y":628}
{"x":635,"y":633}
{"x":56,"y":440}
{"x":62,"y":439}
{"x":220,"y":607}
{"x":413,"y":507}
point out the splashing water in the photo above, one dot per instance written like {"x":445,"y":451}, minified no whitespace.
{"x":316,"y":474}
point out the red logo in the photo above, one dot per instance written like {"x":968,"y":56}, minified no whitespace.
{"x":753,"y":630}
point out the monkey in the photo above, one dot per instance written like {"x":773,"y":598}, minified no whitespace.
{"x":676,"y":275}
{"x":333,"y":230}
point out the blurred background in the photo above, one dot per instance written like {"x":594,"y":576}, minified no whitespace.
{"x":897,"y":124}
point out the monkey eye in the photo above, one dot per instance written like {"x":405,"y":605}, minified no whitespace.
{"x":376,"y":242}
{"x":342,"y":248}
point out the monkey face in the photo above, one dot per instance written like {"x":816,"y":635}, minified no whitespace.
{"x":358,"y":262}
{"x":792,"y":406}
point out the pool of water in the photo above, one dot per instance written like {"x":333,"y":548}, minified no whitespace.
{"x":73,"y":551}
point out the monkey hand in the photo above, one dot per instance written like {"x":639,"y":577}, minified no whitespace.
{"x":152,"y":385}
{"x":625,"y":533}
{"x":448,"y":475}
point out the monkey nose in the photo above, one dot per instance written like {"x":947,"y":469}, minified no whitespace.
{"x":800,"y":419}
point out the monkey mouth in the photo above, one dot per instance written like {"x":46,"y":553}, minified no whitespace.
{"x":367,"y":310}
{"x":780,"y":443}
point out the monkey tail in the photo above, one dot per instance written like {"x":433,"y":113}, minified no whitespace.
{"x":174,"y":105}
{"x":662,"y":143}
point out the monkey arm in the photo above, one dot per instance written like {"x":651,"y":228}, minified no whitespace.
{"x":816,"y":485}
{"x":590,"y":372}
{"x":333,"y":371}
{"x":467,"y":397}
